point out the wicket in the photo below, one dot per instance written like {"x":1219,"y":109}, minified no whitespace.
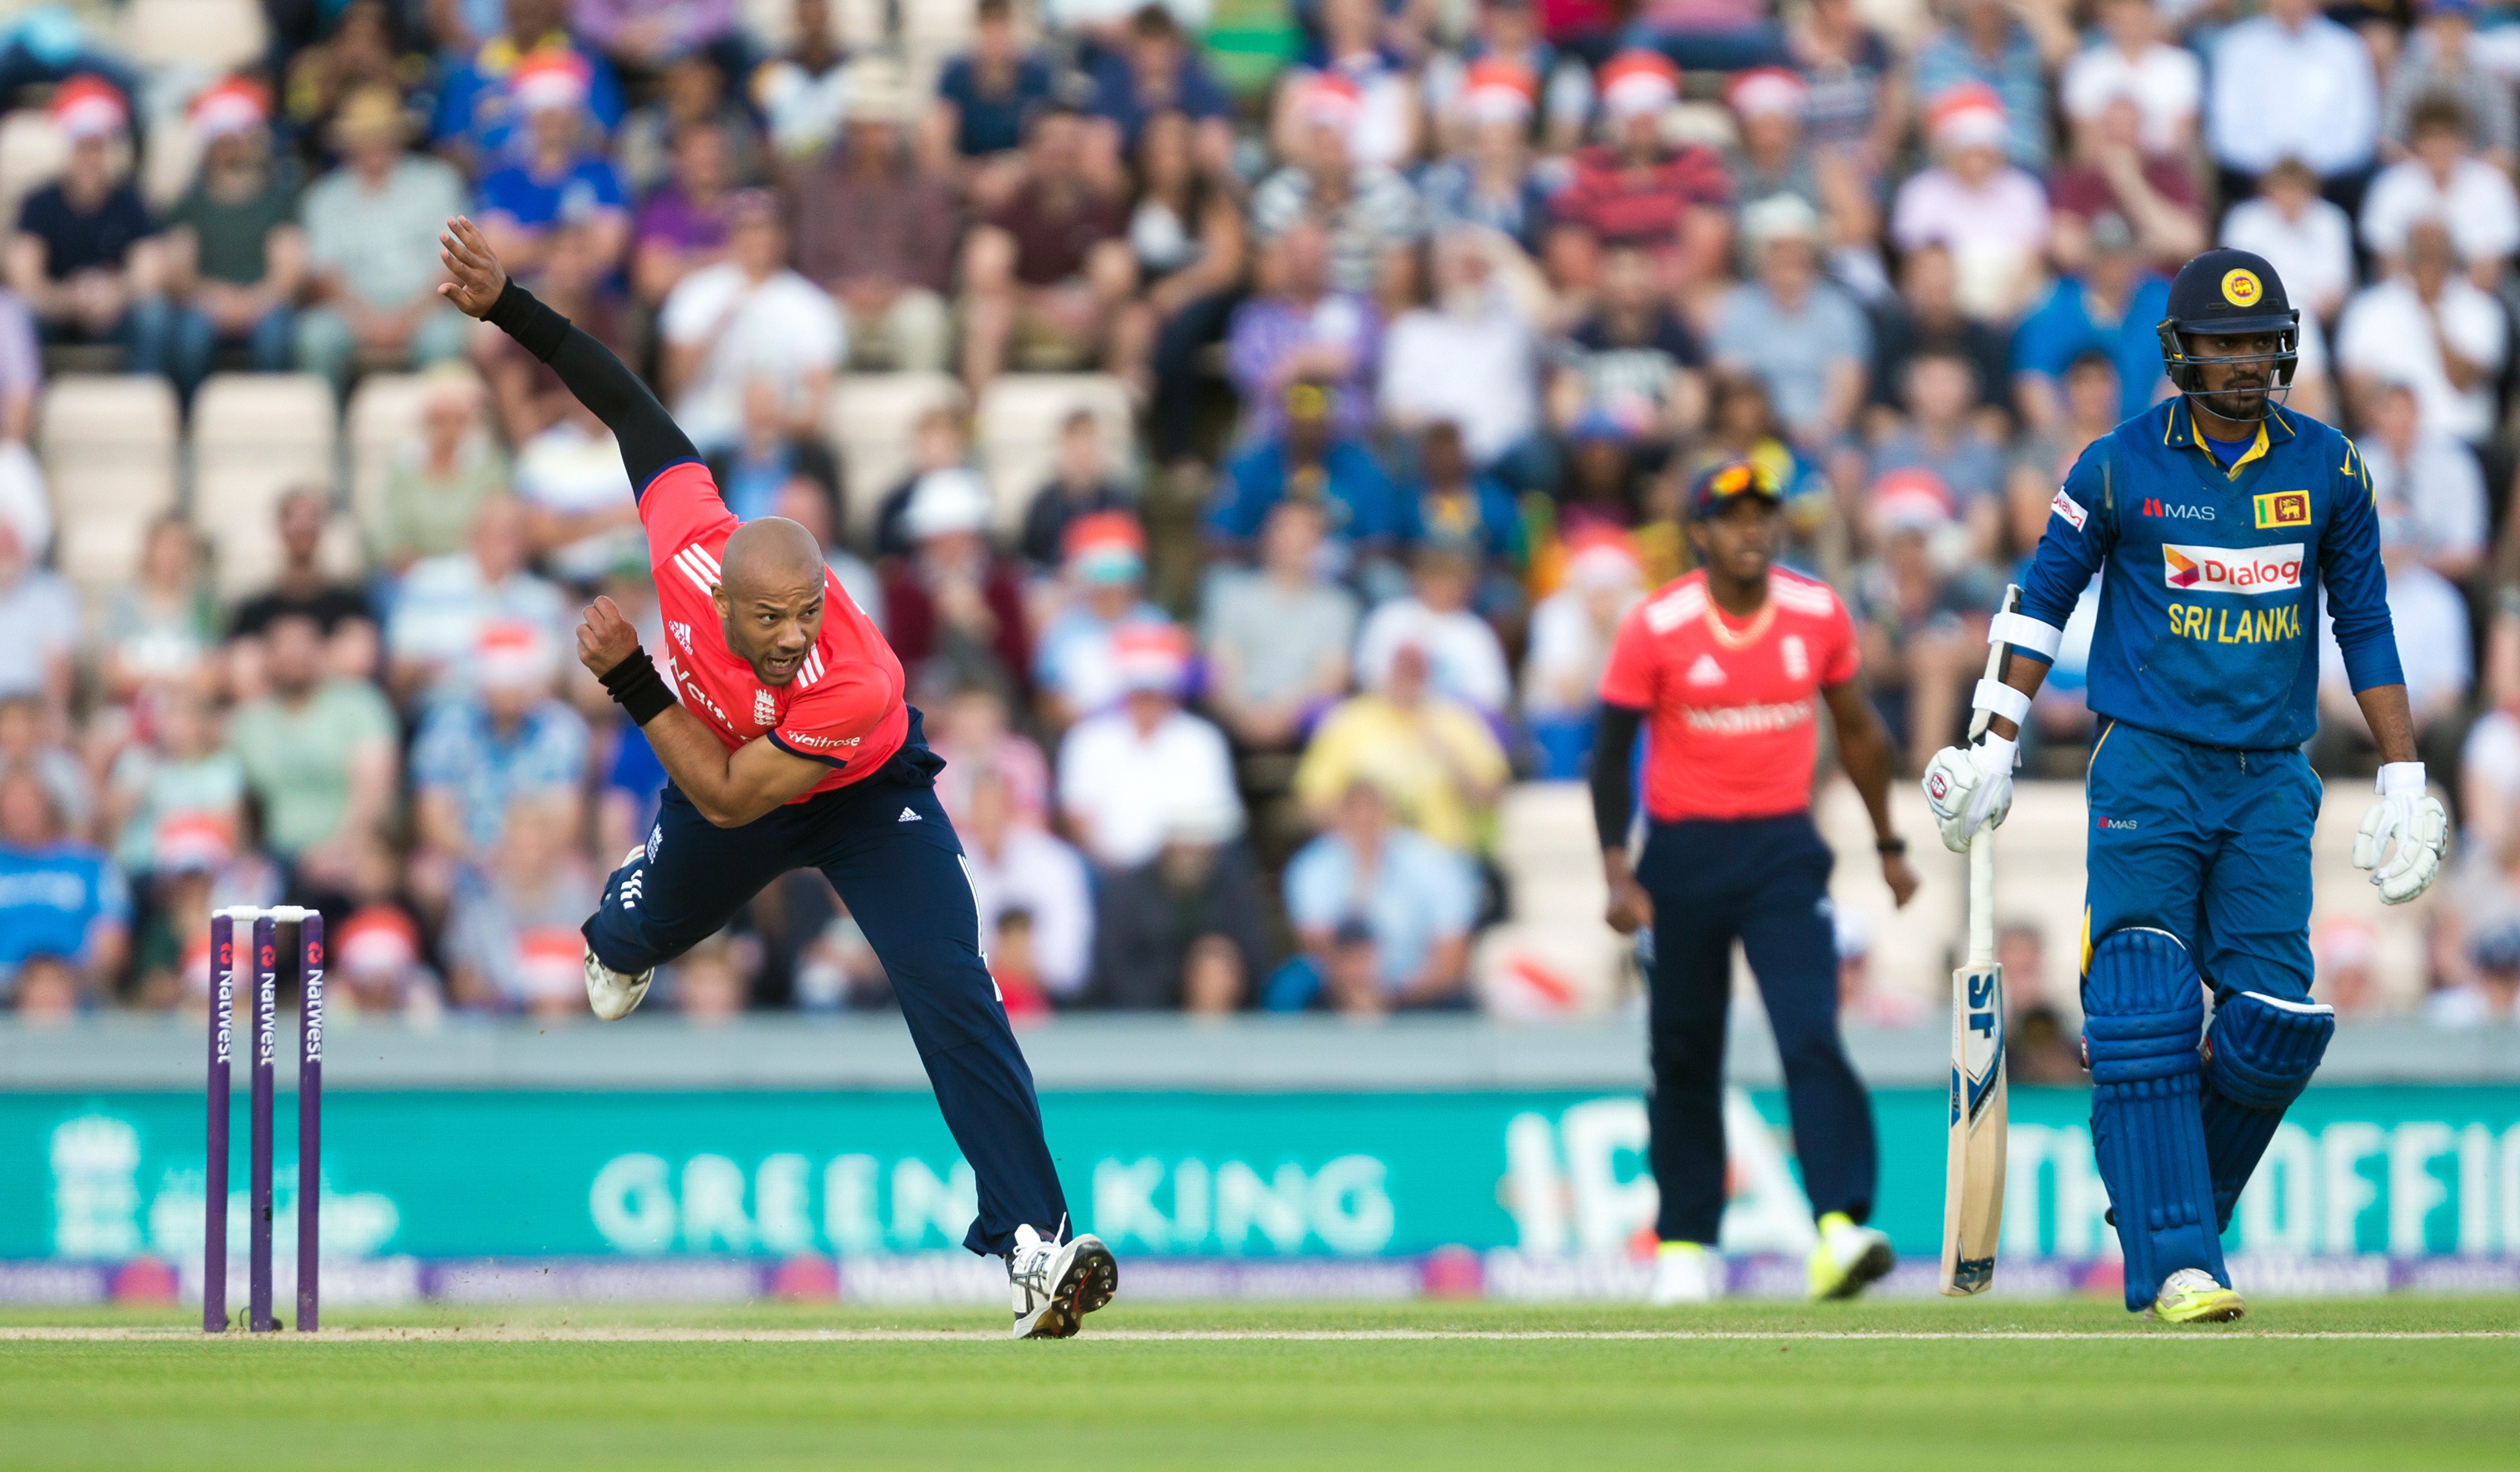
{"x":265,"y":957}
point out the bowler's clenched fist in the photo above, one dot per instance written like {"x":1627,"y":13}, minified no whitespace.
{"x":604,"y":637}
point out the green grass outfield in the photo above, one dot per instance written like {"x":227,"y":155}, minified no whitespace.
{"x":2394,"y":1383}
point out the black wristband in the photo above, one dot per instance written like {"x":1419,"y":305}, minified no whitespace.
{"x":523,"y":316}
{"x":637,"y":687}
{"x":1890,"y":847}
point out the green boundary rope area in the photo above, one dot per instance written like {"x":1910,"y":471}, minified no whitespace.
{"x":2337,"y":1384}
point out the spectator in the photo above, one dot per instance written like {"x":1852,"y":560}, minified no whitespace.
{"x":1081,"y":487}
{"x":2130,"y":61}
{"x":1635,"y":189}
{"x":357,"y":44}
{"x":2290,"y":83}
{"x":744,"y":318}
{"x":2438,"y":58}
{"x":319,"y":756}
{"x":476,"y":118}
{"x":65,"y":915}
{"x":2429,"y":619}
{"x":804,"y":93}
{"x":1992,"y":217}
{"x":1465,"y":661}
{"x":581,"y":512}
{"x":1186,"y":231}
{"x":445,"y":601}
{"x":372,"y":228}
{"x":2443,"y":179}
{"x":1298,"y":327}
{"x":2110,"y":305}
{"x":970,"y":734}
{"x":1489,"y":181}
{"x":1911,"y":609}
{"x":525,"y":391}
{"x":186,"y":774}
{"x":1370,"y":214}
{"x":690,"y":94}
{"x":2005,"y":49}
{"x":1942,"y":437}
{"x":1156,"y":71}
{"x":1276,"y":638}
{"x":1124,"y":775}
{"x":1310,"y":461}
{"x":86,"y":258}
{"x":1509,"y":34}
{"x":1433,"y":758}
{"x":1774,"y":159}
{"x":2112,"y":173}
{"x":2088,"y":405}
{"x":1925,"y":316}
{"x":1048,"y":278}
{"x":235,"y":257}
{"x":1633,"y":359}
{"x":1571,"y":633}
{"x":2308,"y":240}
{"x":644,"y":36}
{"x":682,"y":228}
{"x":2433,"y":477}
{"x":1077,"y":665}
{"x":1454,"y":505}
{"x":28,"y":743}
{"x":877,"y":232}
{"x":754,"y":470}
{"x":159,"y":629}
{"x":2429,"y":328}
{"x":434,"y":484}
{"x":512,"y":940}
{"x":2477,"y":983}
{"x":1184,"y":931}
{"x":1858,"y":108}
{"x":937,"y":442}
{"x":1349,"y":55}
{"x":555,"y":177}
{"x":21,"y":379}
{"x":341,"y":610}
{"x":976,"y":126}
{"x":478,"y":758}
{"x":1017,"y":868}
{"x":1382,"y":913}
{"x":1466,"y":356}
{"x":952,"y":609}
{"x":1793,"y":329}
{"x":41,"y":615}
{"x":378,"y":971}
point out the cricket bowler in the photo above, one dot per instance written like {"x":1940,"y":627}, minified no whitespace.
{"x":2213,"y":518}
{"x":788,"y":745}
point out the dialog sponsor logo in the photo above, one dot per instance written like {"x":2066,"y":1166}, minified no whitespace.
{"x":2231,"y":569}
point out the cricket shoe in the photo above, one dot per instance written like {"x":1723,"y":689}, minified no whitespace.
{"x":2191,"y":1296}
{"x":1057,"y":1283}
{"x":612,"y":995}
{"x":1685,"y":1273}
{"x":1848,"y":1258}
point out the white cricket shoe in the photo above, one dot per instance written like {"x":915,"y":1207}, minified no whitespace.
{"x":1848,"y":1258}
{"x":1685,"y":1273}
{"x":1056,"y":1285}
{"x":610,"y":994}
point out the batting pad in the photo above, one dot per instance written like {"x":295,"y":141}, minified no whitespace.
{"x":2144,"y":1014}
{"x":2260,"y":1056}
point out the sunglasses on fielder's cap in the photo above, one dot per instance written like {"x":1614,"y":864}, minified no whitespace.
{"x":1725,"y":485}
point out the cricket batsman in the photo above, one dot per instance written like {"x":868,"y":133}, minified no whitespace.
{"x":2213,"y":518}
{"x":790,"y":745}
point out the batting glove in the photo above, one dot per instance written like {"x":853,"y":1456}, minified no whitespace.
{"x":2415,"y":821}
{"x":1969,"y":788}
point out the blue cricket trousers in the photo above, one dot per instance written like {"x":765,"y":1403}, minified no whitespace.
{"x":1762,"y":881}
{"x":887,"y":847}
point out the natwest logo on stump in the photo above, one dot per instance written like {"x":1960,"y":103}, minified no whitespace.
{"x":2231,"y":569}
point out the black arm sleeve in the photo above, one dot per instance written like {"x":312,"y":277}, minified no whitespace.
{"x":1614,"y":744}
{"x":650,"y":439}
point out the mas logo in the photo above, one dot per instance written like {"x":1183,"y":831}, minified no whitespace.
{"x":2231,"y":569}
{"x":2282,"y":509}
{"x":2153,"y":506}
{"x":2240,"y":288}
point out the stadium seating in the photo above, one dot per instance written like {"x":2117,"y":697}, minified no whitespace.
{"x":384,"y":412}
{"x":870,"y":418}
{"x":1018,"y":425}
{"x":206,"y":36}
{"x":31,"y":152}
{"x":1553,"y":956}
{"x":257,"y":437}
{"x":107,"y":445}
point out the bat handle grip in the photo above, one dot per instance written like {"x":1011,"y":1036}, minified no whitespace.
{"x":1981,"y":899}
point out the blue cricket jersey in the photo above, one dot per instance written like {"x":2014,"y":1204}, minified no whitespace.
{"x":2209,"y":605}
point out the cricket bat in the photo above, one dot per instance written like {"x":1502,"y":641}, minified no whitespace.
{"x":1973,"y":1169}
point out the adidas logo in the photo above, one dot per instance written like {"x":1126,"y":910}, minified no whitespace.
{"x":1706,"y":671}
{"x":682,"y":635}
{"x":907,"y":815}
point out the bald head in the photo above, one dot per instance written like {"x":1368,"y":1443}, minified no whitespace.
{"x":770,"y":596}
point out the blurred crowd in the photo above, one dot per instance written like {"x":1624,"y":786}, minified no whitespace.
{"x":1426,"y":312}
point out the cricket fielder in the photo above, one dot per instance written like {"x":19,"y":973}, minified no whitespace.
{"x":790,"y":745}
{"x":2214,"y":516}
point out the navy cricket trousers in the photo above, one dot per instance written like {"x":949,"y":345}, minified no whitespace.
{"x":1762,"y":881}
{"x":887,"y":847}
